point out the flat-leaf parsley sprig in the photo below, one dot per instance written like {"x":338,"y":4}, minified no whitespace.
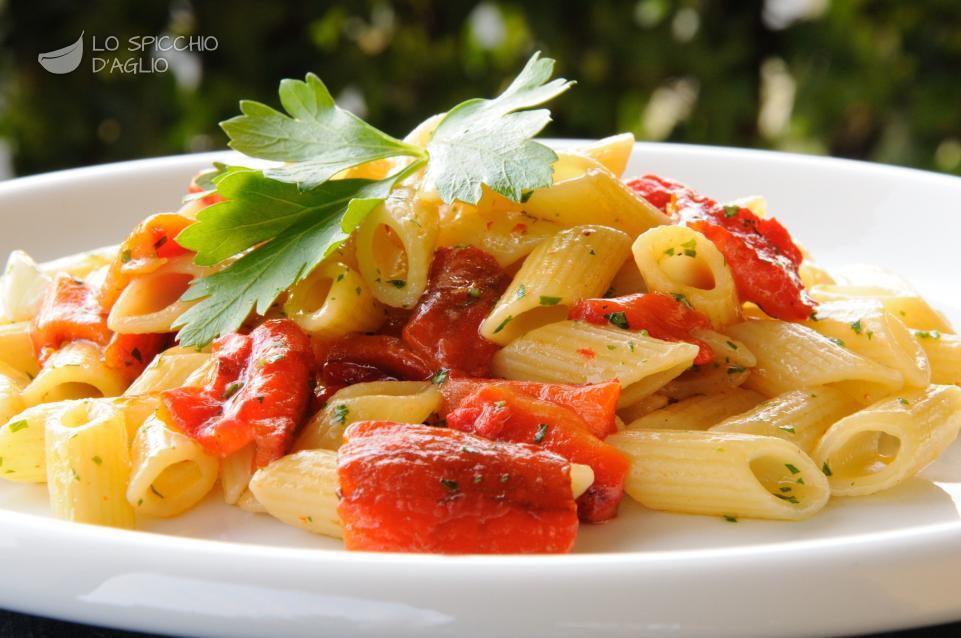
{"x":284,"y":220}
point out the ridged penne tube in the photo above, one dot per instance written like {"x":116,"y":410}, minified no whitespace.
{"x":682,"y":262}
{"x":798,"y":416}
{"x":944,"y":355}
{"x":579,"y":352}
{"x":398,"y":401}
{"x":597,"y":197}
{"x":721,"y":474}
{"x":332,"y":301}
{"x":249,"y":503}
{"x":641,"y":408}
{"x":12,"y":383}
{"x":170,"y":471}
{"x":83,"y":263}
{"x":650,"y":384}
{"x":16,"y":347}
{"x":75,"y":371}
{"x":300,"y":489}
{"x":395,"y":246}
{"x":890,"y":441}
{"x":813,"y":275}
{"x":22,"y":443}
{"x":906,"y":305}
{"x":698,"y":412}
{"x":151,"y":302}
{"x":22,"y":288}
{"x":505,"y":233}
{"x":170,"y":369}
{"x":627,"y":281}
{"x":864,"y":327}
{"x":727,"y":349}
{"x":573,"y":164}
{"x":612,"y":152}
{"x":713,"y":378}
{"x":236,"y":471}
{"x":791,"y":356}
{"x":88,"y":464}
{"x":572,"y":265}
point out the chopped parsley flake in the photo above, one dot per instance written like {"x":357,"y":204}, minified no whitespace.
{"x":689,"y":248}
{"x":340,"y":413}
{"x":440,"y":376}
{"x":903,"y":401}
{"x":682,"y":299}
{"x":826,"y":469}
{"x":549,"y":301}
{"x":154,"y":490}
{"x":731,"y":211}
{"x":631,"y":346}
{"x":397,"y":283}
{"x":449,"y":484}
{"x":791,"y":468}
{"x":135,"y":353}
{"x":521,"y":291}
{"x":503,"y":324}
{"x":669,"y":252}
{"x":736,"y":369}
{"x":618,"y":319}
{"x":730,"y":519}
{"x":16,"y":426}
{"x":474,"y":293}
{"x":787,"y":428}
{"x":927,"y":334}
{"x":125,"y":256}
{"x":97,"y":460}
{"x":505,"y":477}
{"x":232,"y":388}
{"x":731,"y":345}
{"x":789,"y":499}
{"x":541,"y":433}
{"x":478,"y":478}
{"x":839,"y":342}
{"x":856,"y":327}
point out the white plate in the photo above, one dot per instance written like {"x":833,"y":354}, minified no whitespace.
{"x":868,"y":564}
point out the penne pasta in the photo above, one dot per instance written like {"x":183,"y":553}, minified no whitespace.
{"x":579,"y":352}
{"x":22,"y":288}
{"x":698,"y":412}
{"x":151,"y":302}
{"x":882,"y":445}
{"x":944,"y":355}
{"x":612,"y":152}
{"x":575,"y":264}
{"x":682,"y":262}
{"x":170,"y":369}
{"x":16,"y":348}
{"x":906,"y":305}
{"x":300,"y":489}
{"x":798,"y":416}
{"x":236,"y":471}
{"x":332,"y":301}
{"x":12,"y":383}
{"x":721,"y":474}
{"x":503,"y":231}
{"x":170,"y":472}
{"x":75,"y":371}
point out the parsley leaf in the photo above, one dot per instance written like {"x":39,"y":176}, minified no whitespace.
{"x":302,"y":227}
{"x":317,"y":138}
{"x":489,"y":141}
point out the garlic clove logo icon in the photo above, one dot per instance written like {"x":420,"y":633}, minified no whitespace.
{"x":63,"y":60}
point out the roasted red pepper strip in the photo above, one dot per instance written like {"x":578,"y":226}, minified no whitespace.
{"x":595,"y":404}
{"x":465,"y":284}
{"x":505,"y":414}
{"x":416,"y":488}
{"x":142,"y":252}
{"x":763,"y":258}
{"x":132,"y":353}
{"x":259,"y":394}
{"x":662,"y":316}
{"x":69,"y":312}
{"x":359,"y":358}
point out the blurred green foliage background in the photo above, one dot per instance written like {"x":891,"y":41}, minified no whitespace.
{"x":875,"y":80}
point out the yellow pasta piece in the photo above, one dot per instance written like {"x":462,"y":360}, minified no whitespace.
{"x":502,"y":231}
{"x":612,"y":152}
{"x":16,"y":348}
{"x":333,"y":301}
{"x":597,"y":197}
{"x":890,"y":441}
{"x":236,"y":471}
{"x":170,"y":471}
{"x":721,"y":474}
{"x":798,"y":416}
{"x":579,"y":352}
{"x":864,"y":327}
{"x":944,"y":355}
{"x":906,"y":305}
{"x":75,"y":371}
{"x":682,"y":262}
{"x":395,"y":246}
{"x":83,"y":263}
{"x":698,"y":412}
{"x":627,"y":281}
{"x":88,"y":464}
{"x":12,"y":383}
{"x":22,"y":443}
{"x":640,"y":408}
{"x":22,"y":288}
{"x":792,"y":356}
{"x":399,"y":401}
{"x":170,"y":369}
{"x":574,"y":264}
{"x":300,"y":489}
{"x":151,"y":302}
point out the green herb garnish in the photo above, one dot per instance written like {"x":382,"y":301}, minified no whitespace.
{"x":549,"y":301}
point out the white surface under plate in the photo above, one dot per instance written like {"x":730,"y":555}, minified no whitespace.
{"x":868,"y":564}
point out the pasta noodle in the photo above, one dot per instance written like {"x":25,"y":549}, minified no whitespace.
{"x":698,"y":412}
{"x":151,"y":302}
{"x":22,"y":288}
{"x":881,"y":446}
{"x":301,"y":490}
{"x":905,"y":305}
{"x":944,"y":355}
{"x":170,"y":369}
{"x":612,"y":152}
{"x":236,"y":471}
{"x":507,"y":234}
{"x":574,"y":264}
{"x":333,"y":301}
{"x":16,"y":348}
{"x":73,"y":372}
{"x":12,"y":383}
{"x":721,"y":474}
{"x":682,"y":262}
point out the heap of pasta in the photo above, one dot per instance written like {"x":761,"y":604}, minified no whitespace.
{"x":481,"y":378}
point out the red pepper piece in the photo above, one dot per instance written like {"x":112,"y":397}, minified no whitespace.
{"x":69,"y":312}
{"x":595,"y":404}
{"x":662,"y":316}
{"x":465,"y":284}
{"x":259,"y":394}
{"x":153,"y":239}
{"x":504,"y":414}
{"x":359,"y":358}
{"x":416,"y":488}
{"x":132,"y":353}
{"x":763,"y":258}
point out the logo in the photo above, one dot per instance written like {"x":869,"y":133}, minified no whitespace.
{"x":63,"y":60}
